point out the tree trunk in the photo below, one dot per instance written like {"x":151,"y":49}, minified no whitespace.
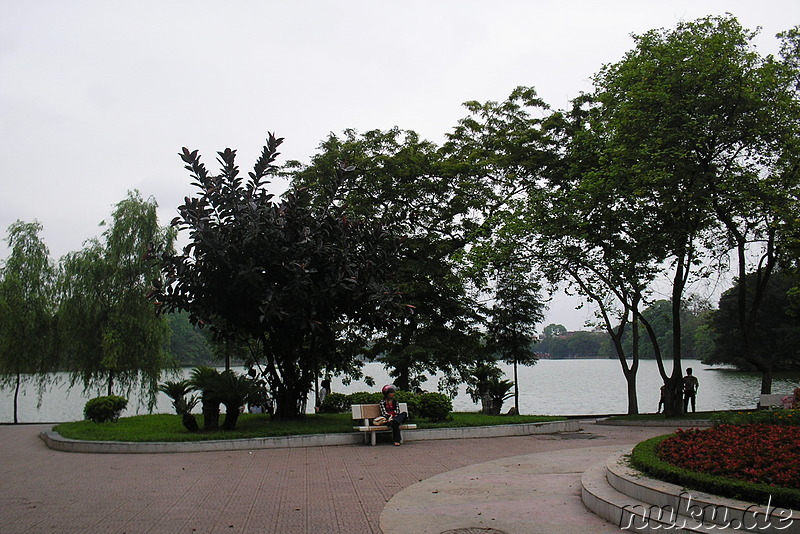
{"x":766,"y":380}
{"x":288,"y":402}
{"x":189,"y":422}
{"x":633,"y":401}
{"x":231,"y":416}
{"x":487,"y":404}
{"x":403,"y":379}
{"x":16,"y":398}
{"x":110,"y":383}
{"x":673,"y":403}
{"x":210,"y":414}
{"x":516,"y":389}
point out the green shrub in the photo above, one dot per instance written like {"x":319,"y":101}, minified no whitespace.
{"x":645,"y":458}
{"x":104,"y":409}
{"x":433,"y":406}
{"x":411,"y":399}
{"x":770,"y":417}
{"x":335,"y":403}
{"x":363,"y":397}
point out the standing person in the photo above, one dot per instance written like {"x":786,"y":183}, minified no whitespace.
{"x":390,"y":409}
{"x":690,"y":386}
{"x":663,"y":398}
{"x":324,"y":391}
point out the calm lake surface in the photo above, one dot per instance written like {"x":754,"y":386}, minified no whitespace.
{"x":551,"y":387}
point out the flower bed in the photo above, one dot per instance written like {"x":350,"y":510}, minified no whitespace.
{"x":758,"y":453}
{"x":646,"y":457}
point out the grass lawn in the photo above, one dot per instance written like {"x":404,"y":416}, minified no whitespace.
{"x":661,"y":417}
{"x":164,"y":427}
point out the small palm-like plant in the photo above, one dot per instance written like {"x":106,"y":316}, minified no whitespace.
{"x":499,"y":391}
{"x":177,"y":391}
{"x":202,"y":379}
{"x":232,"y":390}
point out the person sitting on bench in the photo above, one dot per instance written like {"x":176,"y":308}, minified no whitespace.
{"x":389,"y":410}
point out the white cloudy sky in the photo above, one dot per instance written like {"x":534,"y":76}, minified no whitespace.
{"x":97,"y":97}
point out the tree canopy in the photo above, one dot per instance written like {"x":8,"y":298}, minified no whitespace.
{"x":284,"y":273}
{"x":109,"y":333}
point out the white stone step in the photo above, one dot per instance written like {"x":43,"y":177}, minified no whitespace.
{"x":632,"y":514}
{"x":724,"y":512}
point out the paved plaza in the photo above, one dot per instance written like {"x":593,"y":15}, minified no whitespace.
{"x":319,"y":490}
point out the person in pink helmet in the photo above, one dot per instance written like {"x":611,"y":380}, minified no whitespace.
{"x":390,"y":409}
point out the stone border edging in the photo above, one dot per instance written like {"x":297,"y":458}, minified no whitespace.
{"x":673,"y":423}
{"x":631,"y":492}
{"x":56,"y":442}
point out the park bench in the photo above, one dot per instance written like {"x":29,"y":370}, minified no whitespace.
{"x":367,"y":412}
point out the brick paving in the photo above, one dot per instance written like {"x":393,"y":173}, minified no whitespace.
{"x":315,"y":490}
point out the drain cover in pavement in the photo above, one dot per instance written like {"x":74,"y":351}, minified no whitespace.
{"x":474,"y":531}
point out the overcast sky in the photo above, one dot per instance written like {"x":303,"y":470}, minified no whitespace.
{"x":97,"y":98}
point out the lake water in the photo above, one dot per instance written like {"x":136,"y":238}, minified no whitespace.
{"x":551,"y":387}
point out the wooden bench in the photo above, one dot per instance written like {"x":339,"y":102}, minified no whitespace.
{"x":367,"y":412}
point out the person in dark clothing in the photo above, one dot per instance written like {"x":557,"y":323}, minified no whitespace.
{"x":390,"y":409}
{"x":690,"y":386}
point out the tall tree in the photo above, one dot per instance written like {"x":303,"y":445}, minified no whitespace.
{"x":27,"y":306}
{"x":683,"y":119}
{"x":284,"y":273}
{"x":513,"y":317}
{"x":776,"y":333}
{"x":402,"y":180}
{"x":110,"y":334}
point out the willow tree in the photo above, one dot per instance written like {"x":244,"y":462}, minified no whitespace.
{"x":111,"y":337}
{"x":27,"y":307}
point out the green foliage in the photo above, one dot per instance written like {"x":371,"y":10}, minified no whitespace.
{"x":406,"y":182}
{"x":363,"y":397}
{"x":105,"y":409}
{"x":339,"y":403}
{"x":27,"y":309}
{"x":188,"y":343}
{"x":202,"y":379}
{"x":285,"y":274}
{"x":109,"y":332}
{"x":775,"y":335}
{"x":159,"y":427}
{"x":772,"y":417}
{"x":335,"y":403}
{"x":645,"y":458}
{"x":485,"y":384}
{"x":232,"y":390}
{"x":432,"y":406}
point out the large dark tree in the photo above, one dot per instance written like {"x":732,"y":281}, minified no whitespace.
{"x":285,"y":273}
{"x":776,"y":333}
{"x":404,"y":181}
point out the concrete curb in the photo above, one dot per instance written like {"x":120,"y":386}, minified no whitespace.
{"x":672,"y":423}
{"x":621,"y":494}
{"x":56,"y":442}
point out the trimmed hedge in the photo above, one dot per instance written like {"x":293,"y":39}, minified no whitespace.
{"x":771,"y":417}
{"x":431,"y":406}
{"x":645,"y":458}
{"x":105,"y":409}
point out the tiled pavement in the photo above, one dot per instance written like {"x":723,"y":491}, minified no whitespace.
{"x":302,"y":490}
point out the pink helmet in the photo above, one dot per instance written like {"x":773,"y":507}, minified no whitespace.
{"x":388,"y":388}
